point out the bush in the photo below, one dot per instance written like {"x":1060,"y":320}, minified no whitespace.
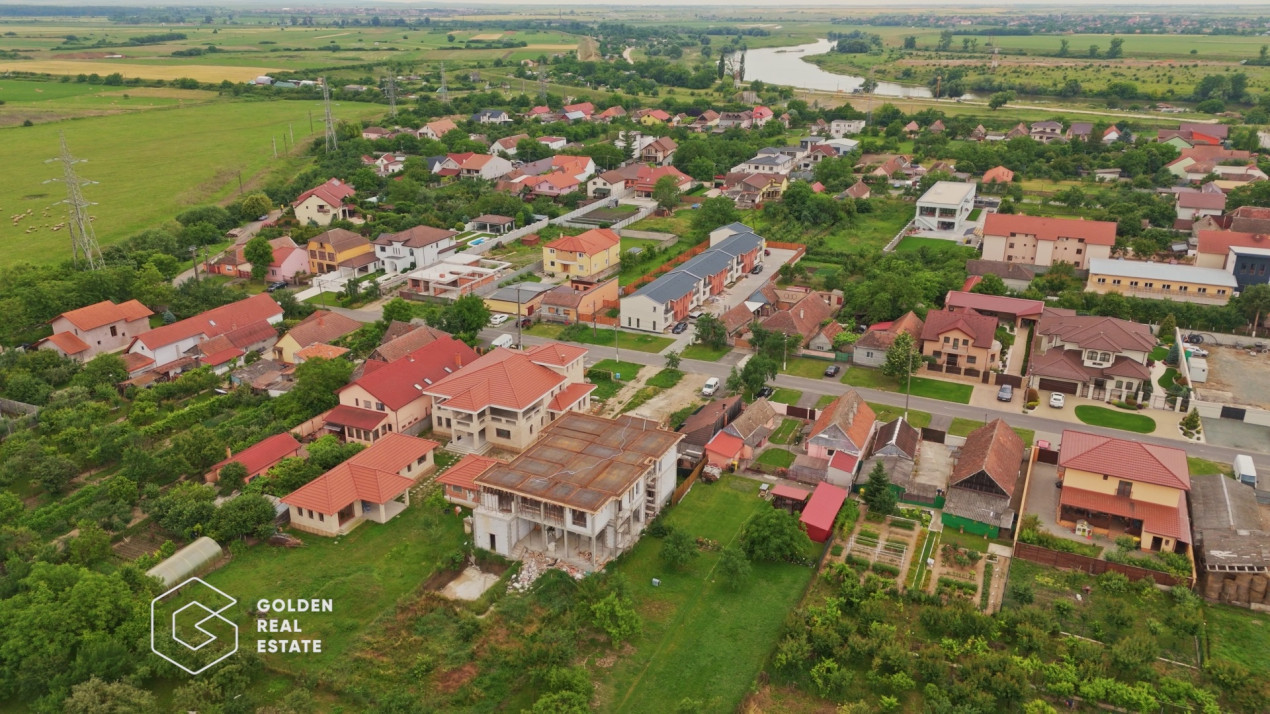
{"x":885,"y":569}
{"x":836,"y":550}
{"x":1020,"y":592}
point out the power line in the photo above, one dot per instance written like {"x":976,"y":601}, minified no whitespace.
{"x":332,"y":143}
{"x":84,"y":245}
{"x":392,"y":96}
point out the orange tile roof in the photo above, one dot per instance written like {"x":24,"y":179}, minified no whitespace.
{"x":345,"y":415}
{"x":592,"y":242}
{"x":852,"y":416}
{"x":502,"y":377}
{"x":133,"y":362}
{"x":333,"y":192}
{"x":106,"y":312}
{"x":995,"y":449}
{"x":68,"y":343}
{"x":216,"y":321}
{"x":321,"y":351}
{"x":558,"y":180}
{"x":322,"y":326}
{"x":1171,"y":521}
{"x":569,"y":396}
{"x":402,"y":381}
{"x":463,"y":473}
{"x":1133,"y":460}
{"x":1221,"y":242}
{"x":264,"y":454}
{"x":572,"y":165}
{"x":1093,"y":232}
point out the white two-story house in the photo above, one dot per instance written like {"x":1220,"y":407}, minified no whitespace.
{"x":413,"y":248}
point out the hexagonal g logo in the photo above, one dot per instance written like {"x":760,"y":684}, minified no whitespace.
{"x":188,"y":629}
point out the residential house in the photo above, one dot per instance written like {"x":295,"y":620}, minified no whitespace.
{"x":1014,"y":313}
{"x":165,"y":346}
{"x":491,"y":116}
{"x":859,"y":190}
{"x":321,"y":327}
{"x":507,"y":145}
{"x":552,"y":185}
{"x":578,"y":300}
{"x":1250,"y":219}
{"x":1246,"y":256}
{"x":506,"y":398}
{"x":483,"y":166}
{"x":839,"y":128}
{"x":983,"y":495}
{"x":400,"y":339}
{"x":978,"y":134}
{"x":895,"y":446}
{"x":1046,"y":131}
{"x":1080,"y":130}
{"x":1112,"y":134}
{"x":1119,"y":487}
{"x":734,"y":120}
{"x":653,"y":117}
{"x":320,"y":205}
{"x":701,"y":426}
{"x":413,"y":248}
{"x":584,"y":493}
{"x":584,"y":255}
{"x":998,"y":174}
{"x":646,"y":178}
{"x":659,"y":152}
{"x":750,"y":191}
{"x":946,"y":206}
{"x":840,"y":435}
{"x":373,"y":485}
{"x":822,"y":340}
{"x":773,"y":163}
{"x":658,"y":305}
{"x":83,"y":333}
{"x":1016,"y":238}
{"x":225,"y":352}
{"x":1193,"y":205}
{"x":1196,"y":163}
{"x":437,"y":129}
{"x":760,"y":115}
{"x":458,"y":483}
{"x":377,"y":132}
{"x":726,"y":451}
{"x":608,"y":115}
{"x":260,"y":457}
{"x":870,"y":349}
{"x":615,"y":183}
{"x":806,"y":318}
{"x":1089,"y":355}
{"x":586,"y":108}
{"x":320,"y":351}
{"x":458,"y":274}
{"x":340,"y":250}
{"x":1015,"y":275}
{"x":579,"y":167}
{"x":391,"y":398}
{"x":706,"y":121}
{"x":1162,"y":281}
{"x":961,"y":340}
{"x":288,"y":261}
{"x":755,"y":424}
{"x":523,"y":299}
{"x":912,"y":129}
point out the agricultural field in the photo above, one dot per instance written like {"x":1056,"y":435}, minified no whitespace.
{"x":148,"y":165}
{"x":40,"y":102}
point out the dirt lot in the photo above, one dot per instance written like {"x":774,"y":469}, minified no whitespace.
{"x":660,"y":407}
{"x":1237,"y":377}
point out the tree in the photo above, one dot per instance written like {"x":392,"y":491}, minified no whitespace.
{"x":910,"y":42}
{"x":398,"y":310}
{"x":673,"y":360}
{"x":678,"y":549}
{"x":945,"y":41}
{"x":95,"y":696}
{"x":1000,"y":99}
{"x":231,"y":478}
{"x":773,"y":535}
{"x":1254,"y":303}
{"x":315,"y":383}
{"x":249,"y":514}
{"x":289,"y":474}
{"x":90,"y":546}
{"x":1168,"y":328}
{"x":465,"y":318}
{"x":185,"y":509}
{"x":734,"y":567}
{"x":902,"y":357}
{"x":990,"y":285}
{"x":877,"y":491}
{"x":1064,"y":46}
{"x":711,"y":332}
{"x":259,"y":253}
{"x":327,"y":452}
{"x":617,"y":618}
{"x":104,"y":369}
{"x":54,"y":472}
{"x":1116,"y":50}
{"x":1191,"y":422}
{"x":756,"y":372}
{"x":666,"y":192}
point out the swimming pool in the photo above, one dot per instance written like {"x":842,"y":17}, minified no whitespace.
{"x":476,"y":241}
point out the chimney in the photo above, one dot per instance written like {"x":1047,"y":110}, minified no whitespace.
{"x":458,"y":360}
{"x":228,"y":453}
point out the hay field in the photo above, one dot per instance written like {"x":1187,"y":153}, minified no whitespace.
{"x":203,"y":73}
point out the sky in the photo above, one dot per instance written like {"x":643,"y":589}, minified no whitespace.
{"x":1192,"y":6}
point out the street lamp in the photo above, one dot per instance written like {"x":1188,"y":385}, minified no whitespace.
{"x":908,"y":391}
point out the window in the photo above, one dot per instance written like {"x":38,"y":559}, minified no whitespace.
{"x":1079,"y":251}
{"x":1011,"y":245}
{"x":1221,"y":291}
{"x":1116,"y":281}
{"x":322,"y":518}
{"x":419,"y":461}
{"x":114,"y":331}
{"x":946,"y":339}
{"x":579,"y":518}
{"x":1124,"y":489}
{"x":1133,"y":283}
{"x":1166,"y":286}
{"x":379,"y":406}
{"x":1183,"y":288}
{"x":503,"y":433}
{"x":971,"y":359}
{"x":1102,"y":281}
{"x":1150,"y":285}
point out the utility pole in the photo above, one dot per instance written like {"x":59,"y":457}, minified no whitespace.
{"x":83,"y":239}
{"x":275,"y":150}
{"x":310,"y":121}
{"x":542,"y":83}
{"x":332,"y":143}
{"x":518,"y":335}
{"x":194,"y":261}
{"x":392,"y":96}
{"x":444,"y":92}
{"x":909,"y":390}
{"x":291,"y":128}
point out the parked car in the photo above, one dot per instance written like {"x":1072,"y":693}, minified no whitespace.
{"x":832,"y":370}
{"x":1005,"y":393}
{"x":526,"y":322}
{"x":1057,"y":400}
{"x":679,"y":327}
{"x":764,"y":393}
{"x":710,"y":387}
{"x":767,"y":251}
{"x":498,"y":319}
{"x":757,"y":269}
{"x":276,"y":285}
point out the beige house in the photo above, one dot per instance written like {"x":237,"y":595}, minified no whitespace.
{"x":961,"y":340}
{"x":506,"y":398}
{"x":323,"y":204}
{"x":373,"y":485}
{"x":1089,"y":355}
{"x":578,"y":299}
{"x":583,"y":255}
{"x":1162,"y":281}
{"x":322,"y":327}
{"x":1032,"y":240}
{"x":84,"y":333}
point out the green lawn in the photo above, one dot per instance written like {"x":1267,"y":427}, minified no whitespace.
{"x":886,"y":413}
{"x":1114,"y":418}
{"x":825,"y":400}
{"x":700,"y":639}
{"x":1158,"y":353}
{"x":915,"y":243}
{"x":665,"y":379}
{"x":627,"y":370}
{"x":806,"y":367}
{"x":922,"y":386}
{"x":963,"y":427}
{"x":604,"y":337}
{"x":786,"y":396}
{"x":1204,"y":467}
{"x":778,"y":458}
{"x":216,"y":141}
{"x":703,"y":353}
{"x":1239,"y":635}
{"x":1166,"y":380}
{"x":785,"y":432}
{"x":965,"y":540}
{"x":364,"y":573}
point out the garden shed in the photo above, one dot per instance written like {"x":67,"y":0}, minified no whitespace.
{"x":822,"y":510}
{"x":186,"y":562}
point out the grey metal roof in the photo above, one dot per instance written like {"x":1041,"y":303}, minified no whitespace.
{"x":527,"y":291}
{"x":738,"y":228}
{"x":738,"y":243}
{"x":670,"y":286}
{"x":1161,"y":271}
{"x":711,"y":262}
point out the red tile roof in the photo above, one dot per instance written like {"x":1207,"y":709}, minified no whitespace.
{"x":345,"y":415}
{"x":217,"y":321}
{"x":882,"y":335}
{"x":68,"y":343}
{"x":402,"y":381}
{"x":1000,"y":304}
{"x":332,"y":192}
{"x":133,"y":361}
{"x":798,"y":494}
{"x":463,"y":473}
{"x":1171,"y":521}
{"x":105,"y":313}
{"x":852,"y":416}
{"x":995,"y":449}
{"x":1220,"y":242}
{"x":264,"y":454}
{"x":592,"y":242}
{"x":570,"y":396}
{"x":1006,"y":224}
{"x":1199,"y":199}
{"x":843,"y":461}
{"x":1000,"y":174}
{"x":402,"y":344}
{"x":321,"y":351}
{"x":1132,"y":460}
{"x":725,"y":445}
{"x":980,"y":328}
{"x":502,"y":377}
{"x":321,"y":327}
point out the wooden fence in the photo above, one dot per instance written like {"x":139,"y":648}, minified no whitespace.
{"x":1093,"y":566}
{"x":686,"y":486}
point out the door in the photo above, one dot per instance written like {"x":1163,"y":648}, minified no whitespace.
{"x":1058,"y":385}
{"x":493,"y":542}
{"x":1156,"y":543}
{"x":950,"y":359}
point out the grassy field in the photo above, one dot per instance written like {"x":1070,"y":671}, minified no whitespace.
{"x":1115,"y":419}
{"x":628,"y":370}
{"x":1204,"y":467}
{"x":148,"y":166}
{"x":605,"y":338}
{"x":915,"y":243}
{"x":786,"y":396}
{"x":700,"y":639}
{"x":703,"y":353}
{"x":825,"y":400}
{"x":886,"y":413}
{"x":364,"y":573}
{"x":922,"y":386}
{"x":806,"y":367}
{"x":785,"y":432}
{"x":1239,"y":635}
{"x":778,"y":458}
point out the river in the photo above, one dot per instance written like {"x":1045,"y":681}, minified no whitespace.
{"x":785,"y":65}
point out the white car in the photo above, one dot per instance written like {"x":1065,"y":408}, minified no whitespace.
{"x":498,"y":319}
{"x":1056,"y":400}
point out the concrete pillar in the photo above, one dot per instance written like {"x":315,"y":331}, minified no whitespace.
{"x":592,"y":549}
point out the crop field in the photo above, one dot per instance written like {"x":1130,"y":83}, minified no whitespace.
{"x":148,"y":166}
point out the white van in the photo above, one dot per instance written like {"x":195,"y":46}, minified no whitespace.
{"x":1245,"y":471}
{"x":710,"y":387}
{"x":504,"y":340}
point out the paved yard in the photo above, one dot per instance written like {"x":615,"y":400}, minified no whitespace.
{"x":1042,"y":501}
{"x":934,"y":464}
{"x":1236,"y":377}
{"x":1235,"y":434}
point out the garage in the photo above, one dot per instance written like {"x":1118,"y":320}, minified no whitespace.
{"x":1058,"y":385}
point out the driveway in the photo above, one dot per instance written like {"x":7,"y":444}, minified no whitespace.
{"x":245,"y":233}
{"x":1235,"y":434}
{"x":1042,"y":502}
